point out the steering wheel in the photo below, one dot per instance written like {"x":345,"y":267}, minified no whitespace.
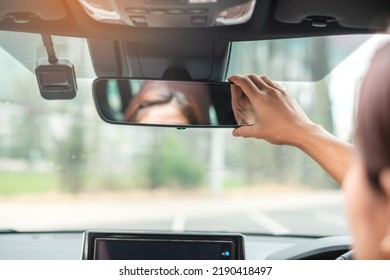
{"x":348,"y":256}
{"x":325,"y":248}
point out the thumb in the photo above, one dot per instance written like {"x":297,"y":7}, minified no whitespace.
{"x":243,"y":131}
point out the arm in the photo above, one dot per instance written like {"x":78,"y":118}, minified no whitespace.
{"x":272,"y":115}
{"x":332,"y":154}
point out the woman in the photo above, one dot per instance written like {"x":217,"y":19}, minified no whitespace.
{"x":364,"y":174}
{"x":164,"y":103}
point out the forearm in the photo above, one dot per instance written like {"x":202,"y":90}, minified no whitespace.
{"x":332,"y":154}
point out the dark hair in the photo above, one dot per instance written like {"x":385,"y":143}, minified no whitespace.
{"x":373,"y":116}
{"x":146,"y":99}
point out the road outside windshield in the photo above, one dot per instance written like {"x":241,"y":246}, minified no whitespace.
{"x":62,"y":168}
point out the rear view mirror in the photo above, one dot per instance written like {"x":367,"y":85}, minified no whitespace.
{"x":164,"y":103}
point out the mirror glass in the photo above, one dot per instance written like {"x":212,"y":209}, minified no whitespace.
{"x":164,"y":103}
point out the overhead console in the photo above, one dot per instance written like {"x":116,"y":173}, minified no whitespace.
{"x":104,"y":245}
{"x":170,"y":13}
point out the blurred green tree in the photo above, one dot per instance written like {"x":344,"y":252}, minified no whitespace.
{"x":171,"y":162}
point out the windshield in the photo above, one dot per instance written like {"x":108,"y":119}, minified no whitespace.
{"x":63,"y":168}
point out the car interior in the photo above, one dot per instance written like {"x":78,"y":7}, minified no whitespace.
{"x":96,"y":162}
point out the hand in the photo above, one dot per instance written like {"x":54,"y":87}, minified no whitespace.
{"x":266,"y":111}
{"x":274,"y":116}
{"x":242,"y":107}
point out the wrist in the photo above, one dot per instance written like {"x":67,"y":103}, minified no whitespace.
{"x":308,"y":135}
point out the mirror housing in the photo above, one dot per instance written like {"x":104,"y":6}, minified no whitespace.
{"x":164,"y":103}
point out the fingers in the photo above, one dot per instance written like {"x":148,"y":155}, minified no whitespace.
{"x":247,"y":85}
{"x":254,"y":85}
{"x":242,"y":108}
{"x":271,"y":83}
{"x":236,"y":95}
{"x":268,"y":81}
{"x":245,"y":94}
{"x":260,"y":82}
{"x":248,"y":100}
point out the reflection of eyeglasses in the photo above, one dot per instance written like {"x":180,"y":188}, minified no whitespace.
{"x":166,"y":99}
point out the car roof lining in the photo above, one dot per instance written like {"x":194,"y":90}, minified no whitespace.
{"x":271,"y":19}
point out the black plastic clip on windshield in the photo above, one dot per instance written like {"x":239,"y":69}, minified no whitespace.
{"x":56,"y":77}
{"x":48,"y":43}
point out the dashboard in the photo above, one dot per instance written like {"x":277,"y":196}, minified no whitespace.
{"x":69,"y":246}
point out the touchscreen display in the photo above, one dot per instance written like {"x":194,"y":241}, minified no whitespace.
{"x":162,"y":250}
{"x":122,"y":245}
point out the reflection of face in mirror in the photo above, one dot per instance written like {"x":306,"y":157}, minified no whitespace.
{"x":160,"y":102}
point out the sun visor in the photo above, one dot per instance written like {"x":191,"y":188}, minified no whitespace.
{"x":372,"y":14}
